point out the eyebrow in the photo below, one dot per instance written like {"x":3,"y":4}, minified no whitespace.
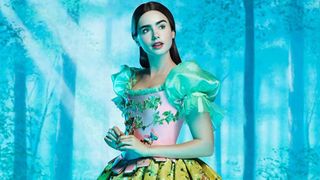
{"x":156,"y":24}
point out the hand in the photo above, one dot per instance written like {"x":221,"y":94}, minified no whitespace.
{"x":112,"y":137}
{"x":131,"y":144}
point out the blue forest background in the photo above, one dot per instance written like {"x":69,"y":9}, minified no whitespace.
{"x":56,"y":59}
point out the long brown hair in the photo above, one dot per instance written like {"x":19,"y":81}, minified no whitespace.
{"x":140,"y":10}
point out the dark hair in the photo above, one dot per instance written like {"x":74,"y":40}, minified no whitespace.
{"x":144,"y":61}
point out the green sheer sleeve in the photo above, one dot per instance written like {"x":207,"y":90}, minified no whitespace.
{"x":191,"y":89}
{"x":123,"y":80}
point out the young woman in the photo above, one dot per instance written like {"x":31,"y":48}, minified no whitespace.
{"x":155,"y":100}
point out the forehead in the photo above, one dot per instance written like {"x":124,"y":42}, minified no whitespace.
{"x":151,"y":17}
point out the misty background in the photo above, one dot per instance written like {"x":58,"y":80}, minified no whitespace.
{"x":56,"y":59}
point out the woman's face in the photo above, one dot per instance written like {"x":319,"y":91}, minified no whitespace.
{"x":154,"y":33}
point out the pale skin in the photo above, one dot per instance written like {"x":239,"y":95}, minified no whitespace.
{"x":153,"y":26}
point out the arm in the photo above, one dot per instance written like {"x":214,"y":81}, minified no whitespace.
{"x":201,"y":145}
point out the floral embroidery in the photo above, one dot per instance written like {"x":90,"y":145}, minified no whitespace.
{"x":133,"y":120}
{"x":156,"y":118}
{"x":129,"y":125}
{"x":169,"y":116}
{"x":137,"y":122}
{"x":152,"y":102}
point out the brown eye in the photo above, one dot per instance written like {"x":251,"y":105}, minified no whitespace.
{"x":163,"y":26}
{"x":145,"y":30}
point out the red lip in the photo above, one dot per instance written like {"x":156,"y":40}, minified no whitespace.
{"x":157,"y":45}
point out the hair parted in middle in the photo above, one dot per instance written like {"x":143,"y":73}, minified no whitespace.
{"x":139,"y":11}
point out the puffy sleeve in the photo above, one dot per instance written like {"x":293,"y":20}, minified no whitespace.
{"x":124,"y":79}
{"x":122,"y":82}
{"x":191,"y":89}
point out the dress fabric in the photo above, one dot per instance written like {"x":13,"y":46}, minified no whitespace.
{"x":155,"y":116}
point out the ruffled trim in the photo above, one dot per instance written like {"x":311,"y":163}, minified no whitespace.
{"x":119,"y":164}
{"x":151,"y":90}
{"x":198,"y":103}
{"x":122,"y":81}
{"x":193,"y":90}
{"x":159,"y":168}
{"x":125,"y":79}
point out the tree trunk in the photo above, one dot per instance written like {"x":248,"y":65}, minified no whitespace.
{"x":20,"y":143}
{"x":64,"y":145}
{"x":298,"y":165}
{"x":249,"y":126}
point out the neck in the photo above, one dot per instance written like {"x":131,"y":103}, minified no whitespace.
{"x":160,"y":64}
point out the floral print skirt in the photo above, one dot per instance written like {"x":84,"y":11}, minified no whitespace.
{"x":158,"y":168}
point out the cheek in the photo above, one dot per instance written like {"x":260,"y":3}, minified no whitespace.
{"x":168,"y":39}
{"x":167,"y":35}
{"x":145,"y":39}
{"x":145,"y":42}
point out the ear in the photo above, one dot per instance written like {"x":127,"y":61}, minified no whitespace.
{"x":173,"y":34}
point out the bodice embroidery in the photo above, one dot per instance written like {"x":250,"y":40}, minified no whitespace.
{"x":132,"y":110}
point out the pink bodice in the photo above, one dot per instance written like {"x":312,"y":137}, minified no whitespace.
{"x":165,"y":133}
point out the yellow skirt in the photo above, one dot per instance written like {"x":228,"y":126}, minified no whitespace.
{"x":154,"y":169}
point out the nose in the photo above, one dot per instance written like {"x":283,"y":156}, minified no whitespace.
{"x":155,"y":34}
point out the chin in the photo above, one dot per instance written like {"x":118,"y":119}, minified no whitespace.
{"x":159,"y":52}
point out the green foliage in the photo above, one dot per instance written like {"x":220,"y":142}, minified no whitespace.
{"x":276,"y":166}
{"x":152,"y":102}
{"x":217,"y":26}
{"x":6,"y":129}
{"x":9,"y":35}
{"x":156,"y":118}
{"x":169,"y":116}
